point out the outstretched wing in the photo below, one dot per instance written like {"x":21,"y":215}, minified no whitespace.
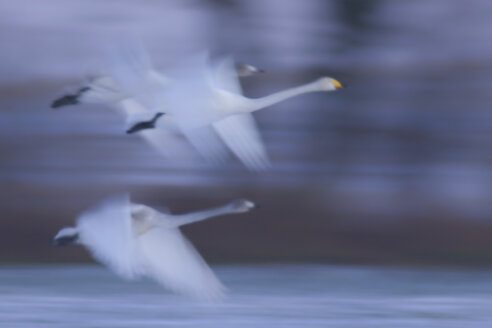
{"x":164,"y":255}
{"x":173,"y":147}
{"x":132,"y":71}
{"x":132,"y":110}
{"x":208,"y":144}
{"x":106,"y":230}
{"x":239,"y":132}
{"x":163,"y":138}
{"x":170,"y":259}
{"x":225,"y":75}
{"x":101,"y":90}
{"x":190,"y":100}
{"x":190,"y":95}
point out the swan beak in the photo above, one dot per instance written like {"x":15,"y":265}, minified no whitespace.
{"x":336,"y":84}
{"x":65,"y":240}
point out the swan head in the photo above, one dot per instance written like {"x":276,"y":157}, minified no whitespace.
{"x":66,"y":236}
{"x":243,"y":205}
{"x":328,"y":84}
{"x":141,"y":212}
{"x":248,"y":70}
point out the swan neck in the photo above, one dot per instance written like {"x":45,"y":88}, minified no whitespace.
{"x":259,"y":103}
{"x":202,"y":215}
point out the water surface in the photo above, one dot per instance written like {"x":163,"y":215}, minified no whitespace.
{"x":261,"y":296}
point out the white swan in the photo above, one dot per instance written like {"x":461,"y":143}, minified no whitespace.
{"x":207,"y":94}
{"x":202,"y":100}
{"x":135,"y":240}
{"x":135,"y":75}
{"x":202,"y":94}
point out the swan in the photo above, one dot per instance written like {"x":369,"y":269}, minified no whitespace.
{"x":139,"y":111}
{"x":205,"y":95}
{"x":135,"y":240}
{"x":217,"y":95}
{"x":202,"y":100}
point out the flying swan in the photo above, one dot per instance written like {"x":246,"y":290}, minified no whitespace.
{"x":217,"y":100}
{"x":201,"y":99}
{"x":135,"y":240}
{"x":129,"y":72}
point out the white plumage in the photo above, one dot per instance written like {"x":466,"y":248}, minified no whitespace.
{"x":202,"y":101}
{"x":135,"y":240}
{"x":106,"y":230}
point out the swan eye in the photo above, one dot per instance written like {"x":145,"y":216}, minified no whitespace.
{"x":336,"y":84}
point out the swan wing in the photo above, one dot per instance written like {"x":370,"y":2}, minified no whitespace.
{"x":240,"y":133}
{"x":164,"y":139}
{"x":106,"y":231}
{"x":101,"y":90}
{"x":133,"y":110}
{"x":170,"y":145}
{"x":190,"y":100}
{"x":208,"y":144}
{"x":171,"y":260}
{"x":225,"y":75}
{"x":132,"y":71}
{"x":190,"y":96}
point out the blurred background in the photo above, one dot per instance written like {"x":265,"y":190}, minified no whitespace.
{"x":395,"y":169}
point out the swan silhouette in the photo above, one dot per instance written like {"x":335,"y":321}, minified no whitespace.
{"x":135,"y":240}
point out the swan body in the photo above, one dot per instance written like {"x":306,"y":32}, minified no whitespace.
{"x":217,"y":93}
{"x":135,"y":240}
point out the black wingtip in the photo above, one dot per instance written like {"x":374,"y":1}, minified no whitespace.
{"x":70,"y":99}
{"x":145,"y":125}
{"x":65,"y":101}
{"x":139,"y":127}
{"x":65,"y":240}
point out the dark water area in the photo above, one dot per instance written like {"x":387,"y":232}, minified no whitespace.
{"x":260,"y":296}
{"x":394,"y":169}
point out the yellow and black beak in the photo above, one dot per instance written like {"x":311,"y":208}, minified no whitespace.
{"x":336,"y":84}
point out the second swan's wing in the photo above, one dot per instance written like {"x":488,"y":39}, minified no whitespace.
{"x":170,"y":259}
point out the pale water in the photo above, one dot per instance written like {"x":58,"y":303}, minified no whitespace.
{"x":260,"y":296}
